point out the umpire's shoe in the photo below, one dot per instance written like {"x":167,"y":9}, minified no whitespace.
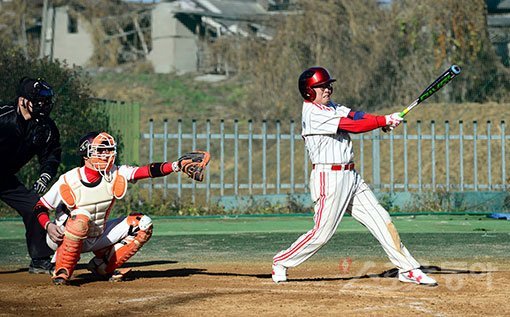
{"x":416,"y":276}
{"x":41,"y":266}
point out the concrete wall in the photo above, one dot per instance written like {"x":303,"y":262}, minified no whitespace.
{"x":174,"y":47}
{"x":76,"y":48}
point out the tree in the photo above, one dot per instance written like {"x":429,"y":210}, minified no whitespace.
{"x":381,"y":57}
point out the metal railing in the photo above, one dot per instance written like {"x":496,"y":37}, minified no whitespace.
{"x":262,"y":158}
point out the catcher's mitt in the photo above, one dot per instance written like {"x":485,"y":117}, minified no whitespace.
{"x":194,"y":163}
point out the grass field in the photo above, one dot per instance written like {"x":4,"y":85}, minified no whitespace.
{"x":191,"y":239}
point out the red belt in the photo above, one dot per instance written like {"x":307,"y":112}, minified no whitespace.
{"x":340,"y":167}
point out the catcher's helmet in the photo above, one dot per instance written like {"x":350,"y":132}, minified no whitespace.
{"x":39,"y":93}
{"x":100,"y":149}
{"x":83,"y":144}
{"x":313,"y":77}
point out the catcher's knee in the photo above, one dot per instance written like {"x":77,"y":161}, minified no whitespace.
{"x":139,"y":222}
{"x":141,"y":229}
{"x":77,"y":225}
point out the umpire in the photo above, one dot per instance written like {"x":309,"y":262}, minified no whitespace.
{"x":26,"y":130}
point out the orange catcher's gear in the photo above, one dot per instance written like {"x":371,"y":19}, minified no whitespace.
{"x":107,"y":260}
{"x":68,"y":253}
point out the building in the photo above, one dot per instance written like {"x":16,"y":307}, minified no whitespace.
{"x":498,"y":21}
{"x":172,"y":35}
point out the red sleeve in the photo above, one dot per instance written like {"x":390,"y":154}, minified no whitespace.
{"x":367,"y":123}
{"x":153,"y":170}
{"x":42,"y":214}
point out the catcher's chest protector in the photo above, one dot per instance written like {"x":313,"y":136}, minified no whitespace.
{"x":97,"y":198}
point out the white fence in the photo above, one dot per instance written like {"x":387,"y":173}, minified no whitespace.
{"x":264,"y":158}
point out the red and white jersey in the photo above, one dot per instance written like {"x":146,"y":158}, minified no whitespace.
{"x":75,"y":191}
{"x":324,"y":142}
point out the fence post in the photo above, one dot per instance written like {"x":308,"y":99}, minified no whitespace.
{"x":306,"y":174}
{"x":406,"y":175}
{"x":376,"y":164}
{"x":489,"y":159}
{"x":250,"y":153}
{"x":292,"y":153}
{"x":179,"y":154}
{"x":278,"y":167}
{"x":208,"y":170}
{"x":447,"y":153}
{"x":433,"y":150}
{"x":475,"y":157}
{"x":236,"y":157}
{"x":418,"y":131}
{"x":151,"y":152}
{"x":222,"y":158}
{"x":193,"y":147}
{"x":503,"y":164}
{"x":165,"y":154}
{"x":392,"y":176}
{"x":264,"y":158}
{"x":361,"y":153}
{"x":461,"y":155}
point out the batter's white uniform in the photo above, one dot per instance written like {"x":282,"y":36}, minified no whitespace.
{"x":106,"y":232}
{"x":335,"y":192}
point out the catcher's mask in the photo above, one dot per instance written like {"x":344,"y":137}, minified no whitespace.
{"x":39,"y":93}
{"x":99,"y":150}
{"x":311,"y":78}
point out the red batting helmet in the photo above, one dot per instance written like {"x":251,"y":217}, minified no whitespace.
{"x":313,"y":77}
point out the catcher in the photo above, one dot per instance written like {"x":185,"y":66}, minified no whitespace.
{"x":85,"y":196}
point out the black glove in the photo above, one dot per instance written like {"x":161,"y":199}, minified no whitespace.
{"x":42,"y":183}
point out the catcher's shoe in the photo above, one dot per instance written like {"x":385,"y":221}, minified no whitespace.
{"x":279,"y":273}
{"x":416,"y":276}
{"x":117,"y":275}
{"x":60,"y":277}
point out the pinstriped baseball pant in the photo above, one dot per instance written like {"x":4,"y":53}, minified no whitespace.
{"x":337,"y":192}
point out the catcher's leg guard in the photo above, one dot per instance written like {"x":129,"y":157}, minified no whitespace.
{"x":107,"y":260}
{"x":68,"y":253}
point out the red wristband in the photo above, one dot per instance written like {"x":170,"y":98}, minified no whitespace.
{"x":43,"y":219}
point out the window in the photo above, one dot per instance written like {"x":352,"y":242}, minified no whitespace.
{"x":72,"y":24}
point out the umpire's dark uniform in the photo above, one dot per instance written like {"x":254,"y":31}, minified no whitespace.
{"x":20,"y":141}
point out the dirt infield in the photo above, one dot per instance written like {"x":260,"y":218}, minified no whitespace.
{"x":326,"y":288}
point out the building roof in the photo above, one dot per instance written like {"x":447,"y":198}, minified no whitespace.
{"x":498,"y":6}
{"x":228,"y":16}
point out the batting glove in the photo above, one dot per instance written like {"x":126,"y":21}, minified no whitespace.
{"x":42,"y":183}
{"x":393,"y":120}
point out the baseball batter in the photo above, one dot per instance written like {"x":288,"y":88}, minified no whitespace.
{"x":87,"y":195}
{"x":335,"y":185}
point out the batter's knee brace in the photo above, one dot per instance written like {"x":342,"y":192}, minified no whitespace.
{"x":140,"y":231}
{"x":68,"y":253}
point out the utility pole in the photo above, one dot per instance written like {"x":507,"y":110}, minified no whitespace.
{"x":44,"y":27}
{"x":23,"y":27}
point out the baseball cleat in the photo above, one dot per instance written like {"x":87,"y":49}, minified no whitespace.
{"x":119,"y":275}
{"x":279,"y":273}
{"x":41,"y":266}
{"x":416,"y":276}
{"x":60,"y":278}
